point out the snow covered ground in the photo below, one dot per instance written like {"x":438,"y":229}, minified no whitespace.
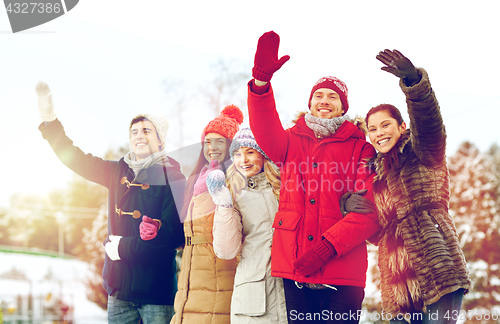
{"x":47,"y":279}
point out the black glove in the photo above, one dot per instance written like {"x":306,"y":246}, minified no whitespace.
{"x":355,"y":202}
{"x":400,"y":66}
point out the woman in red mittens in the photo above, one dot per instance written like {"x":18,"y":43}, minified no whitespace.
{"x":206,"y":282}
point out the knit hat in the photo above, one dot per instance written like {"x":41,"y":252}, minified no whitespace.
{"x":244,"y":138}
{"x":160,"y":123}
{"x":336,"y":85}
{"x":226,"y":124}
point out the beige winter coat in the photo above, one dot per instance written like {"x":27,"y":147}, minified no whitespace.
{"x":205,"y":282}
{"x":247,"y":229}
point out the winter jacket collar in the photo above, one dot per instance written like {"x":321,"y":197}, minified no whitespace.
{"x":355,"y":128}
{"x":324,"y":127}
{"x":258,"y":181}
{"x":377,"y":162}
{"x":155,"y":158}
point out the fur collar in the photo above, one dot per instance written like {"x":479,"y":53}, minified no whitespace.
{"x":377,"y":162}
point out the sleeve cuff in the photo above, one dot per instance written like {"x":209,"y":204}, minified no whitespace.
{"x":258,"y":90}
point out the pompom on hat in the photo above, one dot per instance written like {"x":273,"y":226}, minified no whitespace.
{"x":334,"y":84}
{"x":226,"y":124}
{"x":160,"y":123}
{"x":244,"y":138}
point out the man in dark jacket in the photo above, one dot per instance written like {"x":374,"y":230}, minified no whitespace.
{"x":320,"y":253}
{"x":139,"y":268}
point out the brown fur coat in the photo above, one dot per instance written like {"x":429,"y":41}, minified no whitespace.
{"x":420,"y":258}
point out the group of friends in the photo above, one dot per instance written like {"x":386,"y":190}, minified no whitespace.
{"x":273,"y":222}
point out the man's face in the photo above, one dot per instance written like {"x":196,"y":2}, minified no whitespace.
{"x":325,"y":103}
{"x":144,"y":139}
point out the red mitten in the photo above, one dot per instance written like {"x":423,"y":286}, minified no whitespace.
{"x":266,"y":57}
{"x":314,"y":258}
{"x":149,"y":228}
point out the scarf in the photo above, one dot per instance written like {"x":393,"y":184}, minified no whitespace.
{"x":157,"y":157}
{"x":324,"y":127}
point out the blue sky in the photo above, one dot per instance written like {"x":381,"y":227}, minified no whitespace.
{"x":106,"y":60}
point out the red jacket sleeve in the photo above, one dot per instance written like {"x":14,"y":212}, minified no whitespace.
{"x":266,"y":125}
{"x":356,"y":228}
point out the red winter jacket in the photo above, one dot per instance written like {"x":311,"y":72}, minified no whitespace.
{"x":314,"y":175}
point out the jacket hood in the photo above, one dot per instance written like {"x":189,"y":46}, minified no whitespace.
{"x":357,"y":120}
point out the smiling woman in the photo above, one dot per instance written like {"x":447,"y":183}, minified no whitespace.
{"x":214,"y":147}
{"x":385,"y":127}
{"x":205,"y":281}
{"x":248,"y":161}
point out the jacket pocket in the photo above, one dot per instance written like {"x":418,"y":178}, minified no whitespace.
{"x":249,"y":294}
{"x":286,"y":220}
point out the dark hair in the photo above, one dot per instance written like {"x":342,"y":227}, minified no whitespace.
{"x":390,"y":109}
{"x":138,"y":119}
{"x":391,"y":157}
{"x":196,"y":173}
{"x":142,"y":118}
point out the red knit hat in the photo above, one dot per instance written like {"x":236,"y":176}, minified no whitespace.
{"x":336,"y":85}
{"x":226,"y":124}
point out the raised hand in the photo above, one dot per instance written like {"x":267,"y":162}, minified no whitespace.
{"x":216,"y":184}
{"x":45,"y":103}
{"x":397,"y":64}
{"x":266,"y":60}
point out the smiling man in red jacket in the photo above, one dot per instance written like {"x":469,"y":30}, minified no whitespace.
{"x":320,"y":253}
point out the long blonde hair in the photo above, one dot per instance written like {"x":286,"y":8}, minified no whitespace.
{"x":237,"y":182}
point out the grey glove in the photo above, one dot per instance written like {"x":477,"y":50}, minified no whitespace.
{"x":355,"y":202}
{"x":45,"y":104}
{"x":397,"y":64}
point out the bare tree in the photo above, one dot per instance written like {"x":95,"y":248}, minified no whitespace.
{"x":174,"y":89}
{"x":228,"y":85}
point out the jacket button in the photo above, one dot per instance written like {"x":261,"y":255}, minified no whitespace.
{"x":281,"y":222}
{"x":315,"y":165}
{"x":312,"y":201}
{"x":310,"y":238}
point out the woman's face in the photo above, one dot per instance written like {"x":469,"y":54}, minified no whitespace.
{"x":384,"y":131}
{"x":248,"y":161}
{"x":214,"y":147}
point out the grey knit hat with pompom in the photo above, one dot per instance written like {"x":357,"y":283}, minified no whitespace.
{"x":244,"y":138}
